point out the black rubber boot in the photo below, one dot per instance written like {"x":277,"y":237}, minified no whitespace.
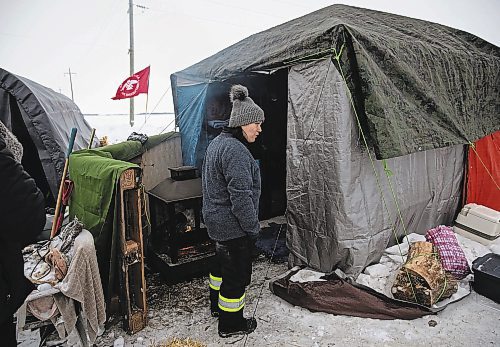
{"x":231,"y":324}
{"x":214,"y":303}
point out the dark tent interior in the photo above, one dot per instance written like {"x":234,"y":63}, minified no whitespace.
{"x":269,"y":91}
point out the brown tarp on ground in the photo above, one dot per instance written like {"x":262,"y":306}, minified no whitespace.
{"x":337,"y":296}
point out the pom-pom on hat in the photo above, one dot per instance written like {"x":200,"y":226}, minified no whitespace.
{"x":244,"y":111}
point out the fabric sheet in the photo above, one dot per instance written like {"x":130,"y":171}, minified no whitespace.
{"x":83,"y":285}
{"x":341,"y":211}
{"x":337,"y":296}
{"x":483,"y":172}
{"x":96,"y":174}
{"x":451,"y":256}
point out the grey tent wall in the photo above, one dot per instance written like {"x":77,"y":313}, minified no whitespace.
{"x":336,"y":217}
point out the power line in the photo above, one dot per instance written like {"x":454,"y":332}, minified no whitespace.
{"x":204,"y":19}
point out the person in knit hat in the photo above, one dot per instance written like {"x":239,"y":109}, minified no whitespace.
{"x":22,"y":218}
{"x":231,"y":191}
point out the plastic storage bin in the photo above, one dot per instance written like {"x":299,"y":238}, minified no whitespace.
{"x":487,"y":276}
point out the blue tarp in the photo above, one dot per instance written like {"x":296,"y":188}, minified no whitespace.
{"x":191,"y":113}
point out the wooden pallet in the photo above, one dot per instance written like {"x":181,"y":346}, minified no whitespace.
{"x":132,"y":280}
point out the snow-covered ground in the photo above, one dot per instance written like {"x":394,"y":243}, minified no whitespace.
{"x":182,"y":311}
{"x":117,"y":128}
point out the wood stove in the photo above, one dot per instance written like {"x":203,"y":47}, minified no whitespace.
{"x":179,"y":245}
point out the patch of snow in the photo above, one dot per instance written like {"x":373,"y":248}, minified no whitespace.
{"x":495,"y":248}
{"x":472,"y":249}
{"x":119,"y":342}
{"x":307,"y":275}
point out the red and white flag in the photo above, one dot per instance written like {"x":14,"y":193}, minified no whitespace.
{"x":134,"y":85}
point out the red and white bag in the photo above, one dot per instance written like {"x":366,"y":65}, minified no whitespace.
{"x":450,"y":253}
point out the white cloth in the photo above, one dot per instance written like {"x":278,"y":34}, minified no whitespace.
{"x":81,"y":284}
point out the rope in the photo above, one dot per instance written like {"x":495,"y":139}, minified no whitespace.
{"x":267,"y":273}
{"x":191,"y":102}
{"x":143,"y":193}
{"x":167,"y":125}
{"x":377,"y":179}
{"x":473,"y":146}
{"x":149,"y":115}
{"x":388,"y":174}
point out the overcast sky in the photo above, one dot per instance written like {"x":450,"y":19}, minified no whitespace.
{"x":42,"y":39}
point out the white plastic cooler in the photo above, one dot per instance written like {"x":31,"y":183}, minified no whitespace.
{"x":478,"y":223}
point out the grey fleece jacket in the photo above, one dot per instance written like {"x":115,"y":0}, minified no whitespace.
{"x":231,"y":189}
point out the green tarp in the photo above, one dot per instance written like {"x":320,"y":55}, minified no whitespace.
{"x":417,"y":85}
{"x":130,"y":149}
{"x":95,"y":173}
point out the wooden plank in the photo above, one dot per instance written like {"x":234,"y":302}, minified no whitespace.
{"x":132,"y":279}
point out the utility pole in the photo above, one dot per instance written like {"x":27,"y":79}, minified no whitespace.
{"x":131,"y":53}
{"x":70,"y":81}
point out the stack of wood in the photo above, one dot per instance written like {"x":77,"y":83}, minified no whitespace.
{"x":422,"y":278}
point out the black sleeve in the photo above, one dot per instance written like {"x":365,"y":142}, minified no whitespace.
{"x":22,"y":206}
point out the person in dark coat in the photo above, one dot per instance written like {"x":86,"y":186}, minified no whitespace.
{"x":231,"y":191}
{"x":22,"y":218}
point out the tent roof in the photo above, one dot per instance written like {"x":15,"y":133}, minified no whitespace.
{"x":417,"y":85}
{"x":48,"y":117}
{"x":318,"y":32}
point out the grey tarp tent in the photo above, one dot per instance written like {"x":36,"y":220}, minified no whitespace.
{"x":42,"y":120}
{"x":420,"y":92}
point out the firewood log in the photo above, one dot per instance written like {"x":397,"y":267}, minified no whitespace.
{"x":422,"y":278}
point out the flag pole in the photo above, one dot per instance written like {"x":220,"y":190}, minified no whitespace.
{"x":131,"y":53}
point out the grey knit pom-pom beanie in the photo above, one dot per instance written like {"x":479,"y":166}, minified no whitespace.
{"x":244,"y":111}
